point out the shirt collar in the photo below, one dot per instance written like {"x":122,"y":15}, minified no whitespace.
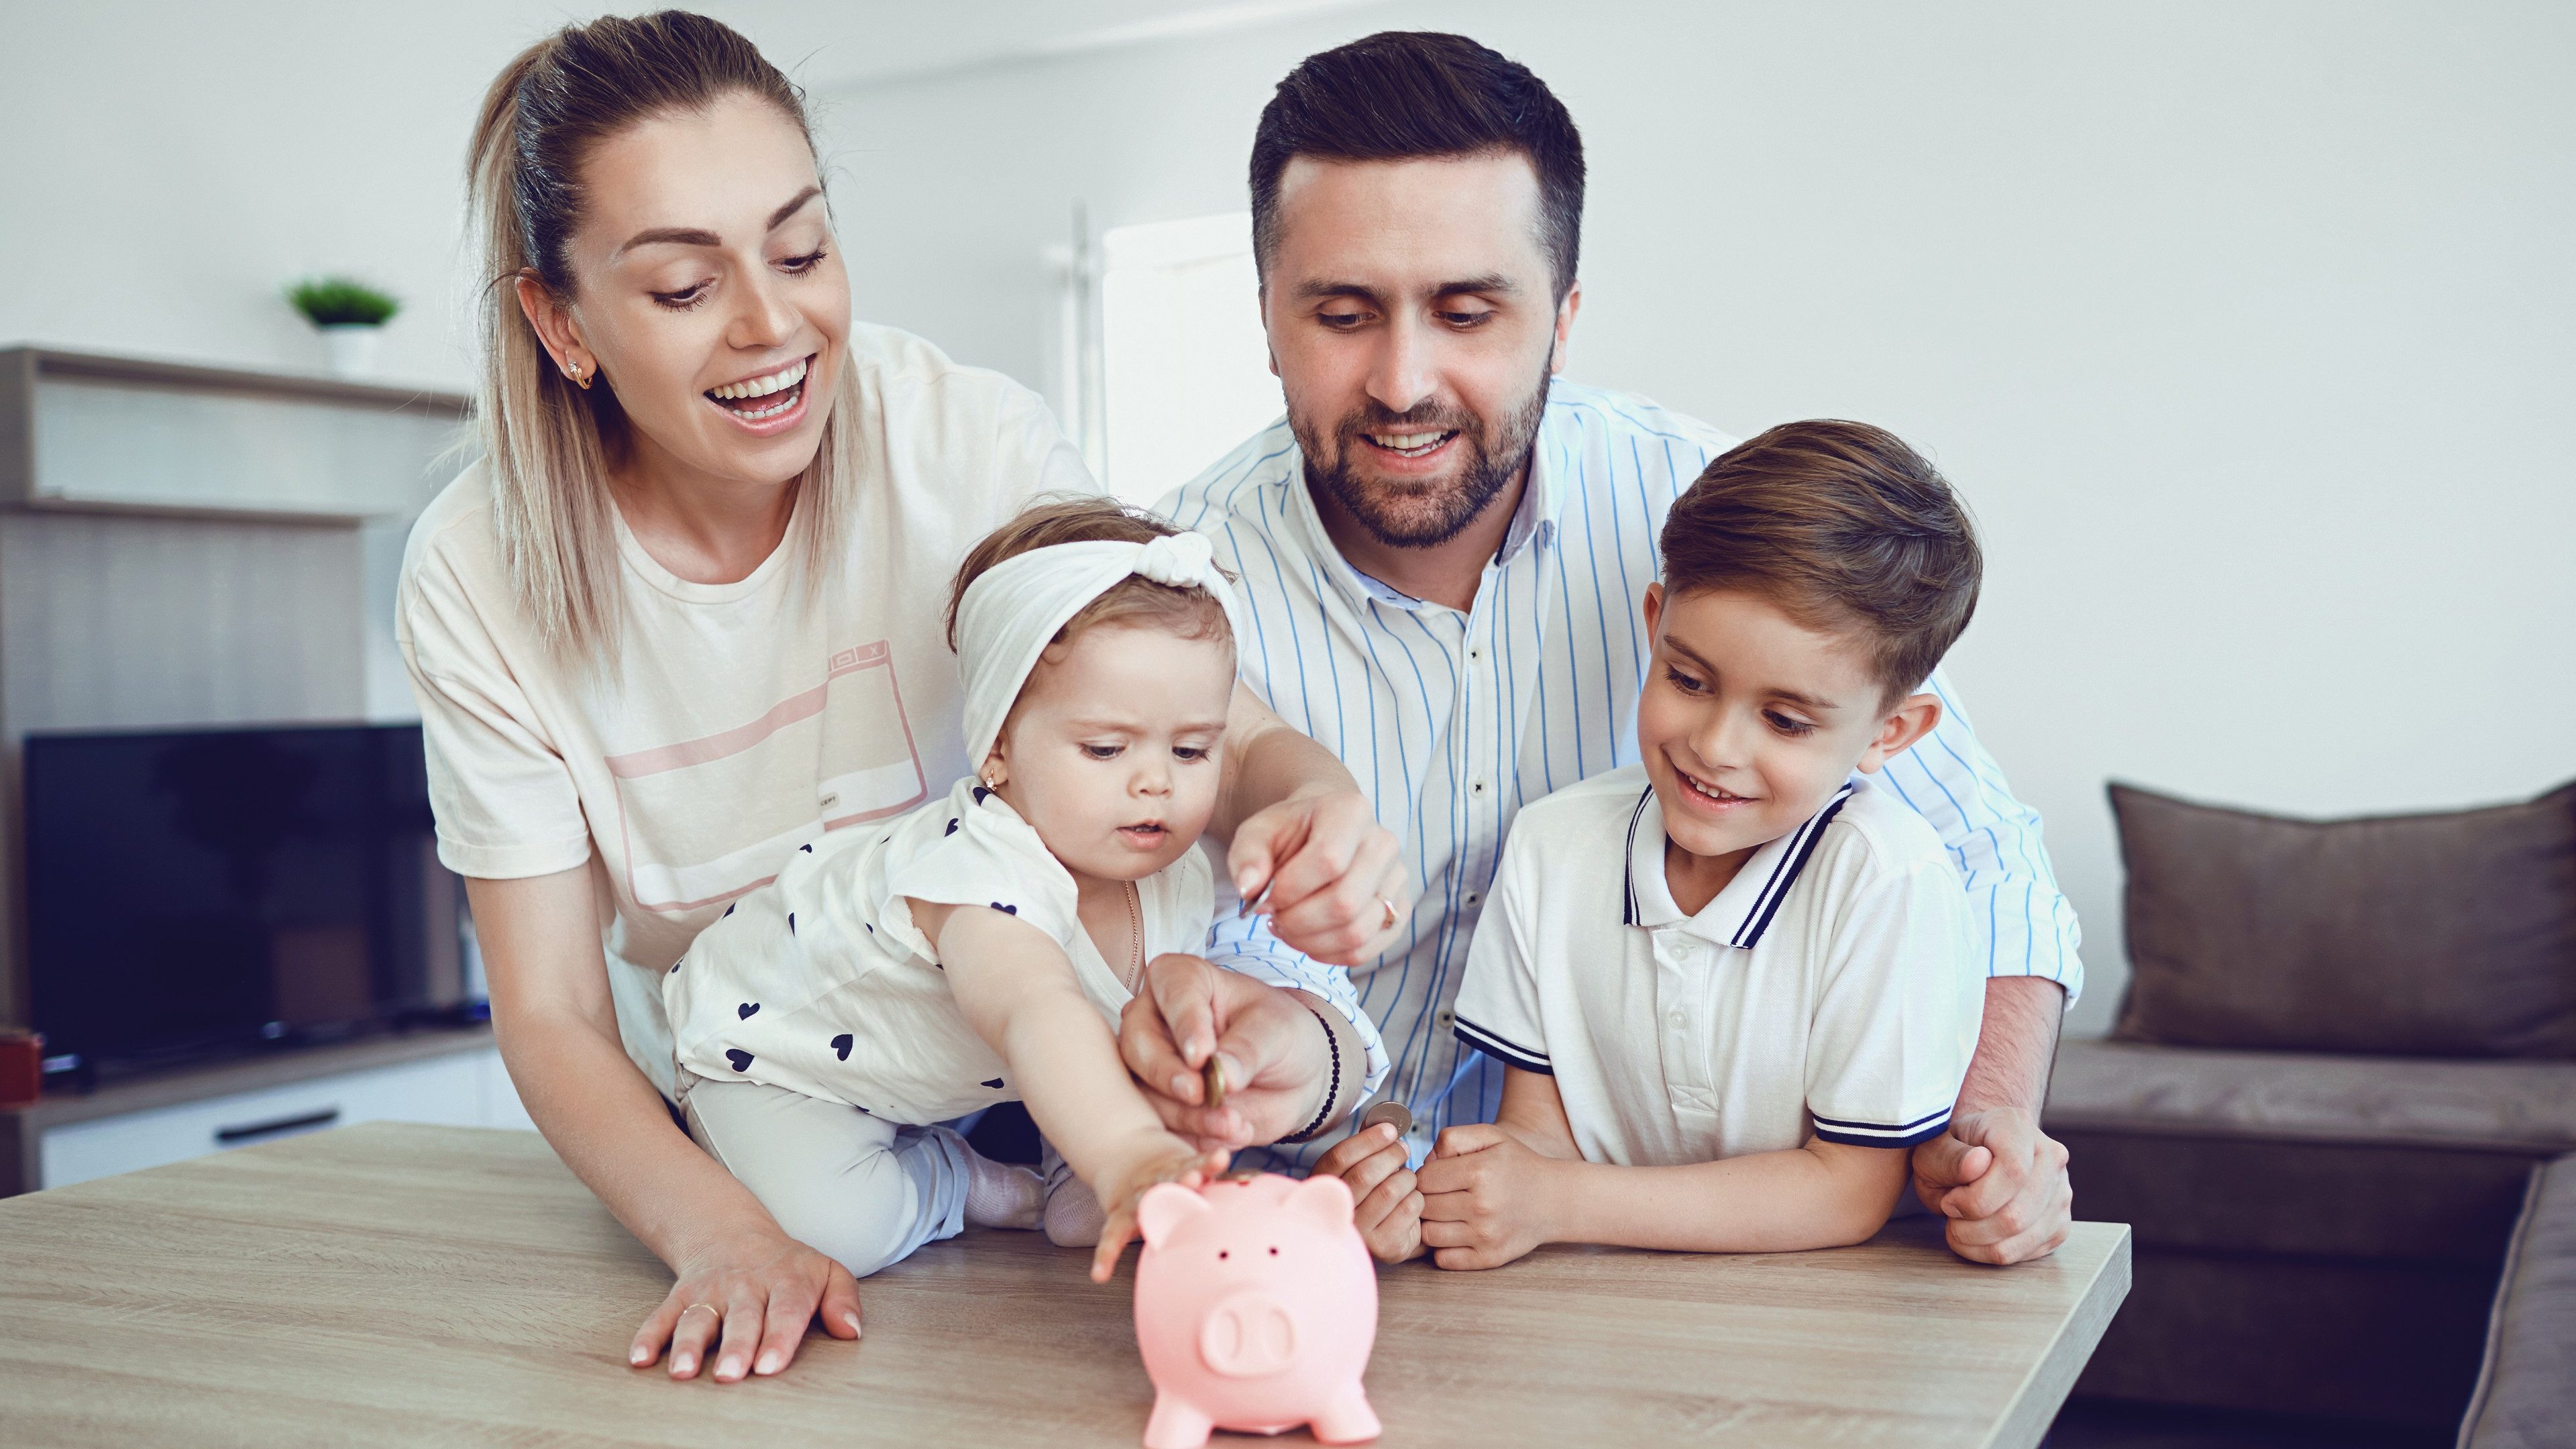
{"x":1743,"y":910}
{"x":1534,"y":520}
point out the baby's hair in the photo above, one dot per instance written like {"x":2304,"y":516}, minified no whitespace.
{"x":1192,"y":613}
{"x":1845,"y":529}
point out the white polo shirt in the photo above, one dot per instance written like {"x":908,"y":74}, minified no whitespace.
{"x":1828,"y":989}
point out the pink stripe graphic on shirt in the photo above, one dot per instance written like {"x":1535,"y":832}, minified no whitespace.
{"x":734,"y":741}
{"x":658,"y":882}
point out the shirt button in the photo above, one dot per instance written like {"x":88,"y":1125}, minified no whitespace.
{"x":1475,"y":898}
{"x":1678,"y":1020}
{"x":1476,"y":653}
{"x":1444,"y":1018}
{"x":1477,"y":787}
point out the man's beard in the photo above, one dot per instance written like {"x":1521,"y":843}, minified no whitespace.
{"x":1429,"y":512}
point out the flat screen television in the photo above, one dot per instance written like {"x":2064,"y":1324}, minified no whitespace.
{"x":193,"y":892}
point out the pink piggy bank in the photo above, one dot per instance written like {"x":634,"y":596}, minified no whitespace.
{"x":1256,"y":1307}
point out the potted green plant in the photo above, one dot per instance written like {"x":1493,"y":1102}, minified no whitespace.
{"x":350,"y":316}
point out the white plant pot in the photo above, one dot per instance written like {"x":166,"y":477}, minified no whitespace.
{"x":349,"y":348}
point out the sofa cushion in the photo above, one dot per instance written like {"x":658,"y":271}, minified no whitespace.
{"x":2438,"y":935}
{"x":2367,"y":1202}
{"x":2512,"y":1105}
{"x":2526,"y":1394}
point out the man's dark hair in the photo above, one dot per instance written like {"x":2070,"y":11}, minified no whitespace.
{"x":1400,"y":95}
{"x":1846,"y":530}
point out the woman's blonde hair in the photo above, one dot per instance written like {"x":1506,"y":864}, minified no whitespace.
{"x":547,"y":443}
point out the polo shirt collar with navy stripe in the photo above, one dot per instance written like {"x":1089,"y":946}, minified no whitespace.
{"x":1740,"y":912}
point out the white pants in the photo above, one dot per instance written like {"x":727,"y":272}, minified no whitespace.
{"x":861,"y":1191}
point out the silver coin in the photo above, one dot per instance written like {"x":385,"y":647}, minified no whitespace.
{"x":1391,"y":1112}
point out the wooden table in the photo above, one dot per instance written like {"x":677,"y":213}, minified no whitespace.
{"x":389,"y":1284}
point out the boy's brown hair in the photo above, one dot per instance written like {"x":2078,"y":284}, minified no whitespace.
{"x":1844,"y":528}
{"x":1134,"y":600}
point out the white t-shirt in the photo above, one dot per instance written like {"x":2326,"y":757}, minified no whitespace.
{"x":745,"y":719}
{"x":820,"y":983}
{"x":1827,"y":989}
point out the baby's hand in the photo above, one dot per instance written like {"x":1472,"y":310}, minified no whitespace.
{"x":1373,"y":1164}
{"x":1152,"y":1157}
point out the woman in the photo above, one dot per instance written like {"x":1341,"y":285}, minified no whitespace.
{"x":686,"y":614}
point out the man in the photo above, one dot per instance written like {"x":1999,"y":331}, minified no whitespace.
{"x":1442,"y":552}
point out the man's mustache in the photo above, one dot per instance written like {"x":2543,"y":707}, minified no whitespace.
{"x":1429,"y":417}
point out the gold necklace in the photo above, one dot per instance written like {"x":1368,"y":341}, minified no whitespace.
{"x":1136,"y":933}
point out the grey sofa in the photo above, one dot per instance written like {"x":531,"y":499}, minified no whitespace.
{"x":2379,"y":1239}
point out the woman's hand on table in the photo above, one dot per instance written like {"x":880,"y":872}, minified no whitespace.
{"x":1372,"y":1162}
{"x":1485,"y":1197}
{"x":761,"y":1295}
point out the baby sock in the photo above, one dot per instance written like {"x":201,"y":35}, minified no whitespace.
{"x":1074,"y":1216}
{"x":1002,"y":1194}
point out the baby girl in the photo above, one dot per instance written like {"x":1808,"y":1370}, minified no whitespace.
{"x":979,"y":949}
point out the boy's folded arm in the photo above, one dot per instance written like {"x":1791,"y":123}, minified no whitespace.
{"x":1821,"y":1195}
{"x":1017,"y":990}
{"x":1533,"y":1111}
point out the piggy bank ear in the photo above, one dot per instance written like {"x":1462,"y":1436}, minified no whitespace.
{"x":1167,"y":1205}
{"x":1325,"y":1199}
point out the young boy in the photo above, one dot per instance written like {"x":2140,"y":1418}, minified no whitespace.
{"x":1730,"y":986}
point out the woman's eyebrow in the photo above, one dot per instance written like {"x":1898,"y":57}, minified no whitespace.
{"x":687,"y":236}
{"x":794,"y":205}
{"x":692,"y":236}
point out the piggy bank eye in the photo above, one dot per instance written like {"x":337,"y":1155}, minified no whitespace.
{"x":1274,"y":1252}
{"x":1222,"y":1253}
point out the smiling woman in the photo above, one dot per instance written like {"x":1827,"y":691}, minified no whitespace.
{"x":683,"y":616}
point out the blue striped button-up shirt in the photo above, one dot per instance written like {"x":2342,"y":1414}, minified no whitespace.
{"x":1452,"y":721}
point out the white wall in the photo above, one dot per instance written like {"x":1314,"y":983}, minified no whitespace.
{"x":2247,"y":330}
{"x":167,"y":166}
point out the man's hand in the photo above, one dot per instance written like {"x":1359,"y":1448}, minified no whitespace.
{"x":2001,"y":1182}
{"x":1334,"y":875}
{"x":1485,"y":1198}
{"x":1389,"y":1216}
{"x":1276,"y":1066}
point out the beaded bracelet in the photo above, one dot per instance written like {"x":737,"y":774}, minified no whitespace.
{"x":1332,"y":1093}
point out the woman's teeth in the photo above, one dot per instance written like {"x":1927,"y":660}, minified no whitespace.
{"x":742,"y":398}
{"x":774,"y":409}
{"x":1410,"y":445}
{"x":779,"y":381}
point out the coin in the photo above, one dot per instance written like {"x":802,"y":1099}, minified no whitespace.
{"x":1389,"y":1111}
{"x":1212,"y":1076}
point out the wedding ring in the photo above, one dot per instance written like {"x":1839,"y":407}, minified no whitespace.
{"x":694,"y":1307}
{"x":1391,"y":913}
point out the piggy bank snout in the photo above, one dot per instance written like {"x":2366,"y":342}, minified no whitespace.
{"x":1248,"y":1335}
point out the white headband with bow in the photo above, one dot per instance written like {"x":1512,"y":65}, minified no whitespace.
{"x":1013,"y":610}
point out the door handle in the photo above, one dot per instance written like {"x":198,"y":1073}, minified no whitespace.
{"x":253,"y":1131}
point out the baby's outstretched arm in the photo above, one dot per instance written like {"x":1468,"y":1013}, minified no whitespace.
{"x":1491,"y":1194}
{"x":1018,"y":992}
